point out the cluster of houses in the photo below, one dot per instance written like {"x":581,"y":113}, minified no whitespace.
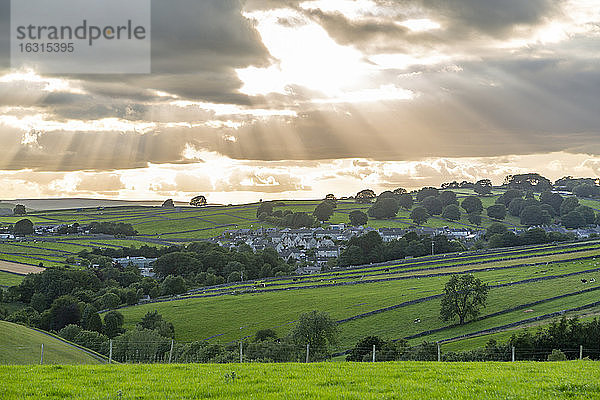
{"x":145,"y":265}
{"x":313,"y":247}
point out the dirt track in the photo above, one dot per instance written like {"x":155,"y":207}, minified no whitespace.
{"x":19,"y":268}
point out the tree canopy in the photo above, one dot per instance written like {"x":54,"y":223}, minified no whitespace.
{"x":365,"y":196}
{"x":386,"y":207}
{"x":358,"y":218}
{"x":464,"y":297}
{"x":472,"y":204}
{"x":317,"y":330}
{"x":324,"y":211}
{"x":198,"y":201}
{"x":419,"y":215}
{"x":23,"y":227}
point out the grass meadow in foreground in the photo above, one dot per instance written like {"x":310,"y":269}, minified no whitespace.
{"x":397,"y":380}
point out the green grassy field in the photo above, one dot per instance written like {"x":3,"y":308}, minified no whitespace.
{"x":21,"y":345}
{"x":232,"y":317}
{"x":8,"y":279}
{"x":401,"y":380}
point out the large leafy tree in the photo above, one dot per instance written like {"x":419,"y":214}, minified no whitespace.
{"x":419,"y":215}
{"x":496,"y":211}
{"x":405,"y":201}
{"x":427,"y":192}
{"x":386,"y":207}
{"x":472,"y":204}
{"x":168,"y":203}
{"x":433,"y":205}
{"x":198,"y":201}
{"x":365,"y":196}
{"x":483,"y":187}
{"x":532,"y":181}
{"x":451,"y":212}
{"x":358,"y":218}
{"x":316,"y":329}
{"x":324,"y":211}
{"x":448,"y":197}
{"x":23,"y":227}
{"x":19,"y":210}
{"x":464,"y":297}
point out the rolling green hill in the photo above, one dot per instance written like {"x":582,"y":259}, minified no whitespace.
{"x":21,"y":345}
{"x":386,"y":300}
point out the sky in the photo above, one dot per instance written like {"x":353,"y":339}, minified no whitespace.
{"x":265,"y":99}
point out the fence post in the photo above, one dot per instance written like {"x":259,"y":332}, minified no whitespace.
{"x":307,"y":351}
{"x":439,"y":352}
{"x":581,"y":352}
{"x":513,"y":353}
{"x":241,"y":351}
{"x":171,"y":351}
{"x":373,"y":353}
{"x":110,"y":351}
{"x":42,"y":355}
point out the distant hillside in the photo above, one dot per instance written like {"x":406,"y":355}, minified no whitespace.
{"x":22,"y":346}
{"x":62,"y":204}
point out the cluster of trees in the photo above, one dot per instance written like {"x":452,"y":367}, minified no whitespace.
{"x":370,"y":248}
{"x":56,"y":297}
{"x":150,"y":339}
{"x":498,"y":236}
{"x":286,"y":218}
{"x":113,"y":228}
{"x":569,"y":183}
{"x":445,"y":204}
{"x":547,"y":208}
{"x":204,"y":263}
{"x":564,"y":334}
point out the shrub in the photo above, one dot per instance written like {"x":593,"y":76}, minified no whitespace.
{"x":557,"y":355}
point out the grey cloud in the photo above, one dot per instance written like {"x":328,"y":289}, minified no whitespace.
{"x":464,"y":22}
{"x":100,"y":183}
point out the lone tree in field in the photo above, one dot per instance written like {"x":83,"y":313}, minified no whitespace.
{"x":464,"y":296}
{"x":316,"y":329}
{"x":19,"y":210}
{"x":23,"y":227}
{"x":198,"y":201}
{"x":168,"y":204}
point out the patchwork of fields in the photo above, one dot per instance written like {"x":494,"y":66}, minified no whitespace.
{"x":385,"y":300}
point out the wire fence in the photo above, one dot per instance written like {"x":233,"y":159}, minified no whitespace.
{"x":172,"y":352}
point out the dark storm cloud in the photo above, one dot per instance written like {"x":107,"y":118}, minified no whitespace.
{"x":196,"y":47}
{"x":462,"y":20}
